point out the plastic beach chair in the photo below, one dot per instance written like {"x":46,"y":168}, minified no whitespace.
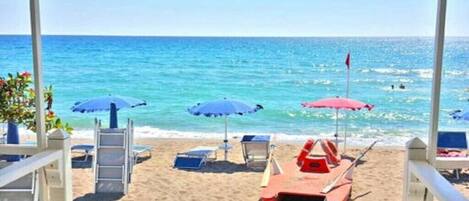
{"x":256,"y":149}
{"x":195,"y":158}
{"x":22,"y":189}
{"x":452,"y":144}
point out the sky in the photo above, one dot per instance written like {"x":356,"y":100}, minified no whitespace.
{"x":236,"y":17}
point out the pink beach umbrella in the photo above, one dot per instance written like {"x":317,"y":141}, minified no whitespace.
{"x":338,"y":104}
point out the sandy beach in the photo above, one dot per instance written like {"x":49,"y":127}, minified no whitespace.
{"x":379,"y":177}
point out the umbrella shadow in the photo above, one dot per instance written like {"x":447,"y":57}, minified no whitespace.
{"x":451,"y":177}
{"x":100,"y":196}
{"x":224,"y":167}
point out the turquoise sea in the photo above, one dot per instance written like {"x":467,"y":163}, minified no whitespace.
{"x":174,"y":73}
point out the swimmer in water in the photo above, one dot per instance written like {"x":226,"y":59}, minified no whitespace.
{"x":392,"y":87}
{"x":401,"y":86}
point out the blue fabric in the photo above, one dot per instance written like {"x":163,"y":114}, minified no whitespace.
{"x":104,"y":103}
{"x":461,"y":115}
{"x":452,"y":139}
{"x":256,"y":138}
{"x":187,"y":162}
{"x":223,"y":107}
{"x":85,"y":147}
{"x":13,"y":137}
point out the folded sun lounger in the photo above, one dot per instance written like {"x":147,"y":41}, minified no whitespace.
{"x":195,"y":158}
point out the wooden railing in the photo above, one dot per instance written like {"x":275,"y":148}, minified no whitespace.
{"x":421,"y":180}
{"x":54,"y":163}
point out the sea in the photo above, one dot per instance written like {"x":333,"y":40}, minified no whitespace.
{"x":174,"y":73}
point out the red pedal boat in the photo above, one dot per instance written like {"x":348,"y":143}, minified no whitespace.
{"x":305,"y":178}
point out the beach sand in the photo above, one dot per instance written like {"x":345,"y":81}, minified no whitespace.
{"x":378,"y":178}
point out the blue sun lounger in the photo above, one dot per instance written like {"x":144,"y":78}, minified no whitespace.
{"x":195,"y":158}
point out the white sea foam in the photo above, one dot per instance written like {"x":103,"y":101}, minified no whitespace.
{"x":363,"y":137}
{"x":425,"y":73}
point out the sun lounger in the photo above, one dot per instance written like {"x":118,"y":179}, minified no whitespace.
{"x":452,"y":144}
{"x":23,"y":189}
{"x":87,"y":150}
{"x":195,"y":158}
{"x":256,"y":149}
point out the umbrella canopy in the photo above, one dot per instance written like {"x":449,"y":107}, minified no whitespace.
{"x":460,"y":114}
{"x":107,"y":103}
{"x":224,"y":107}
{"x":338,"y":104}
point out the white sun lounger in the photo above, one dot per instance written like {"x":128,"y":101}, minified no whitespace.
{"x":256,"y":149}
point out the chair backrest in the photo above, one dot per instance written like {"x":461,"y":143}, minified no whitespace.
{"x":257,"y":145}
{"x":452,"y":139}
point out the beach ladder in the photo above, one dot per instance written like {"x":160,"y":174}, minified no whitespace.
{"x":113,"y":163}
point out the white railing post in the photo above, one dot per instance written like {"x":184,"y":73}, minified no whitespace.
{"x":59,"y":174}
{"x":415,"y":150}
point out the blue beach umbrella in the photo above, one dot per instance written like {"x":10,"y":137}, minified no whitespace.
{"x":107,"y":103}
{"x":224,"y":108}
{"x":460,"y":115}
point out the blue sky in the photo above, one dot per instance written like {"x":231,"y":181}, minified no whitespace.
{"x":236,"y":17}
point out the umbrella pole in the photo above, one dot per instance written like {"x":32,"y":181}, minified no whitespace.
{"x":336,"y":135}
{"x":226,"y":138}
{"x":113,"y":116}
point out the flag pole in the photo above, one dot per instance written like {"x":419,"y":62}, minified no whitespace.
{"x":349,"y":64}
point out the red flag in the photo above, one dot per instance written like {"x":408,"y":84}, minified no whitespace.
{"x":347,"y":60}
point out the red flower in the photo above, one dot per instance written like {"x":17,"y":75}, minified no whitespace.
{"x":2,"y":82}
{"x":26,"y":74}
{"x":51,"y":114}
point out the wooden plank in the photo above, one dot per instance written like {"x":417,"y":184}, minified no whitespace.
{"x":452,"y":162}
{"x":434,"y":182}
{"x":18,"y":149}
{"x":24,"y":167}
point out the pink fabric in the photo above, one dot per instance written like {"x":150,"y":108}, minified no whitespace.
{"x":338,"y":103}
{"x":445,"y":153}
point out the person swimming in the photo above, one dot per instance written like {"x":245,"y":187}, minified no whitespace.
{"x":401,"y":86}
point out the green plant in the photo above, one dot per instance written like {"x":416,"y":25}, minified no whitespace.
{"x":17,"y":103}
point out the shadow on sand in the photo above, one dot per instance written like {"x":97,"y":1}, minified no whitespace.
{"x":225,"y":167}
{"x":451,"y":177}
{"x":80,"y":162}
{"x":100,"y":197}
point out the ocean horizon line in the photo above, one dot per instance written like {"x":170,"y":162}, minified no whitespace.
{"x":228,"y":36}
